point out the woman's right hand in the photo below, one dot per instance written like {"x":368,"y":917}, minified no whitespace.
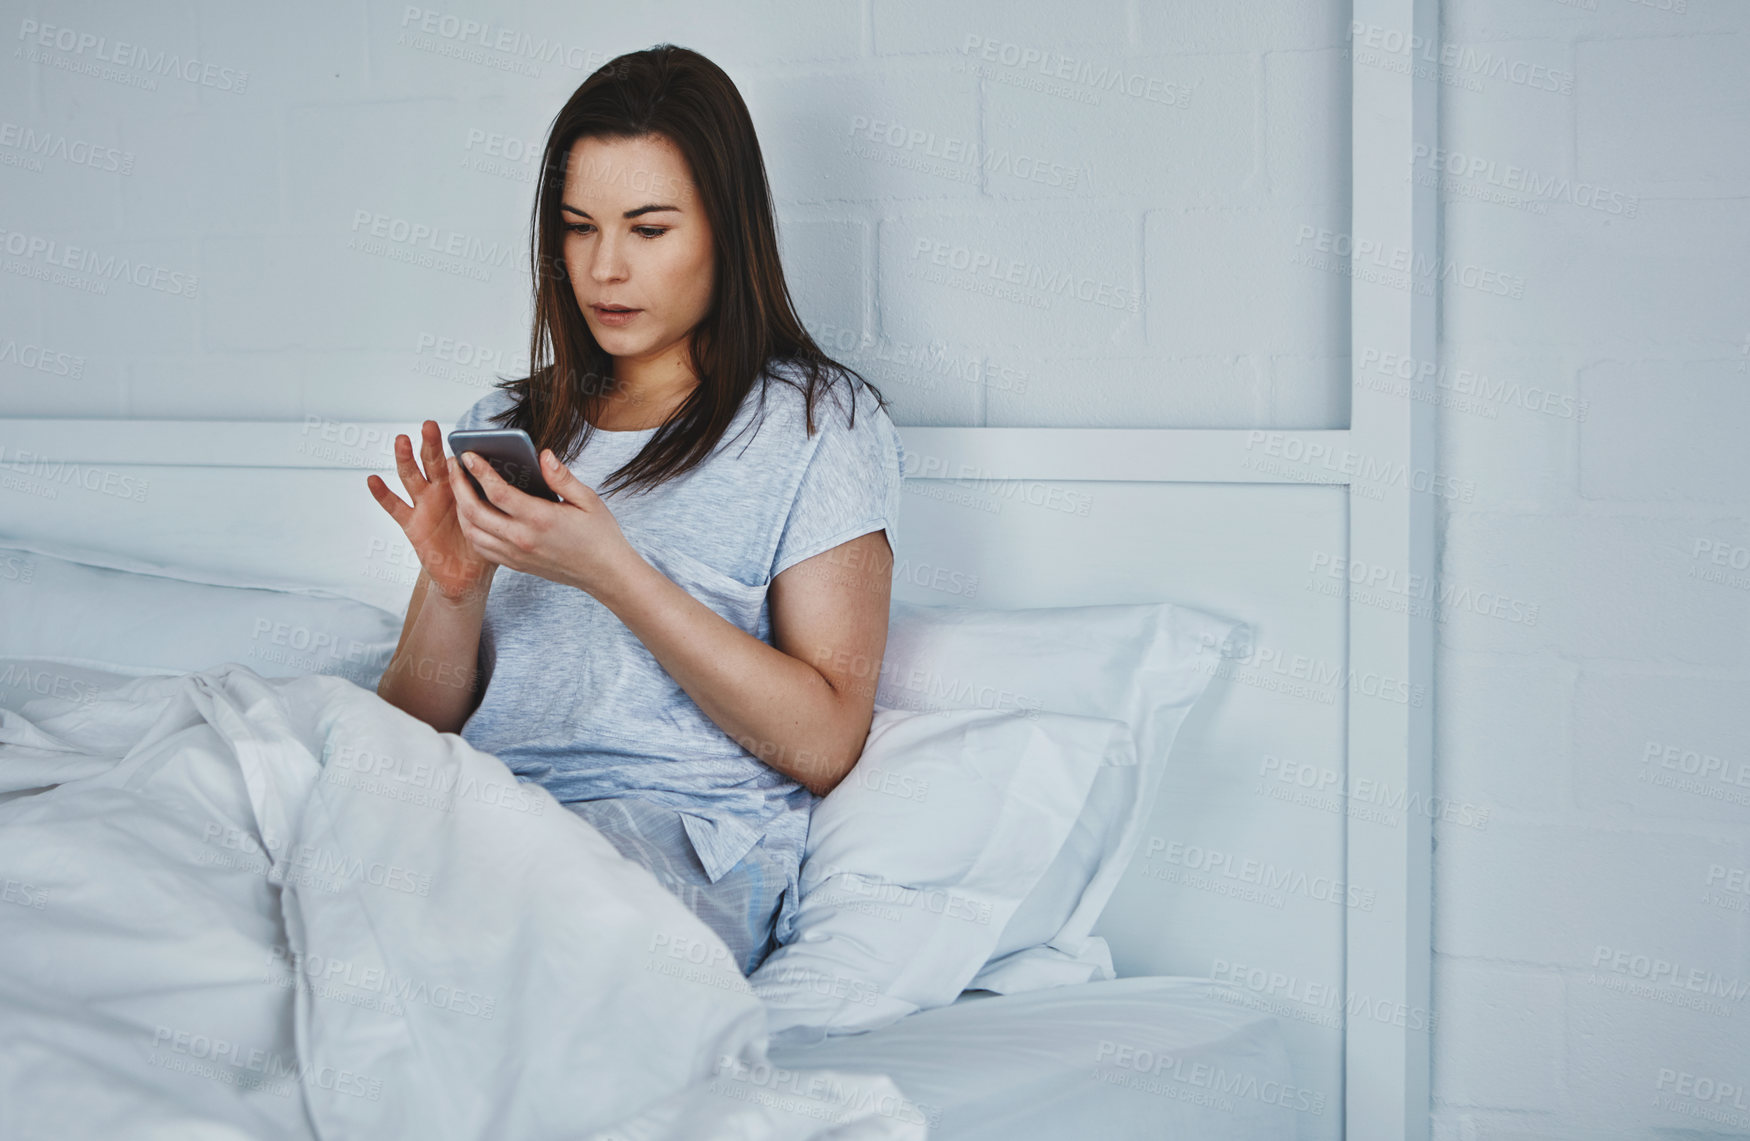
{"x":456,"y":570}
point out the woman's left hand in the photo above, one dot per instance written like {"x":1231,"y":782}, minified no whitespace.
{"x":578,"y":543}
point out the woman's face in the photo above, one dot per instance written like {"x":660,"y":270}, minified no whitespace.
{"x":636,"y":237}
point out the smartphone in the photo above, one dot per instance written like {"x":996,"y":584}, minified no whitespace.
{"x":511,"y":454}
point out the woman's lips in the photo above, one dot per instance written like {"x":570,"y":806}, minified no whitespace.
{"x":615,"y":316}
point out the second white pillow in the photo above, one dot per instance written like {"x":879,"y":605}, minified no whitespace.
{"x":918,"y":859}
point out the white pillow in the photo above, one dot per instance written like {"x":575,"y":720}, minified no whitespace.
{"x":1143,"y":664}
{"x":917,"y":860}
{"x":58,"y":610}
{"x":293,"y":529}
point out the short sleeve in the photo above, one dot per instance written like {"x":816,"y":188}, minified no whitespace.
{"x":480,"y":412}
{"x":850,"y":487}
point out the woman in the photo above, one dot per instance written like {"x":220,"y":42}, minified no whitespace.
{"x":686,"y":658}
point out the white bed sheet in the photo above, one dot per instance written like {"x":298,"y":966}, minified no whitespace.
{"x":25,"y":679}
{"x":1136,"y":1057}
{"x":283,"y":909}
{"x":1153,"y":1057}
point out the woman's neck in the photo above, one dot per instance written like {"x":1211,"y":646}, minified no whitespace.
{"x":636,"y":405}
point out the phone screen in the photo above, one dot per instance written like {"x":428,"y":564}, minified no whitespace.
{"x":511,"y":454}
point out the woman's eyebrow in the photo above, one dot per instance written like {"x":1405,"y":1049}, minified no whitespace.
{"x":627,"y":214}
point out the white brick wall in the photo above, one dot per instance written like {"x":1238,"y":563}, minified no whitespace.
{"x":1606,"y":450}
{"x":1172,"y":199}
{"x":1636,"y":311}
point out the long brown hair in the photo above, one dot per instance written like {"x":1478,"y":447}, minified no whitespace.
{"x":751,"y":323}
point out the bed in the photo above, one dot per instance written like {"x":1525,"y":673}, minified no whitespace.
{"x":1149,"y":1056}
{"x":1271,"y":941}
{"x":1222,"y":1023}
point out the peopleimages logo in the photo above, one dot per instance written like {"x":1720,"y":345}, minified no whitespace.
{"x":25,"y":146}
{"x":234,"y":1063}
{"x":47,"y":476}
{"x":813,"y":1093}
{"x":309,"y":865}
{"x":1364,"y":793}
{"x":1413,"y":270}
{"x":1205,"y":1076}
{"x":1523,"y":180}
{"x":1692,"y":771}
{"x":126,"y":59}
{"x":430,"y":239}
{"x":1431,"y":375}
{"x":955,"y":158}
{"x":380,"y":773}
{"x":1284,"y":994}
{"x":1285,"y":671}
{"x":1013,"y":272}
{"x":1359,"y":466}
{"x":513,"y":45}
{"x":341,"y":979}
{"x":41,"y":359}
{"x":1266,"y":876}
{"x":1454,"y":61}
{"x":1082,"y":78}
{"x":1653,"y":969}
{"x":1421,"y":596}
{"x":52,"y":255}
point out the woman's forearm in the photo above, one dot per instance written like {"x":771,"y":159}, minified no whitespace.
{"x":433,"y":673}
{"x":777,"y":707}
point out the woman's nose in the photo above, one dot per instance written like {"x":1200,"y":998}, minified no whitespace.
{"x":607,"y":263}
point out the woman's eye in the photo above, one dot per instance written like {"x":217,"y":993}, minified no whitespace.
{"x":641,"y":231}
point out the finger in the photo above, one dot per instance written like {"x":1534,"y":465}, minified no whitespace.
{"x":462,"y":491}
{"x":474,"y":523}
{"x":411,"y":478}
{"x":511,"y":530}
{"x":470,"y":507}
{"x":433,"y":451}
{"x":560,"y":479}
{"x":398,"y":511}
{"x":499,"y":493}
{"x":475,"y":549}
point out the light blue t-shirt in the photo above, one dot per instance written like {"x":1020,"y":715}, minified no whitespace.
{"x":575,"y":702}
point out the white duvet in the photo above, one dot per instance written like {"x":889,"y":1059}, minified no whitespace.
{"x":238,"y":907}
